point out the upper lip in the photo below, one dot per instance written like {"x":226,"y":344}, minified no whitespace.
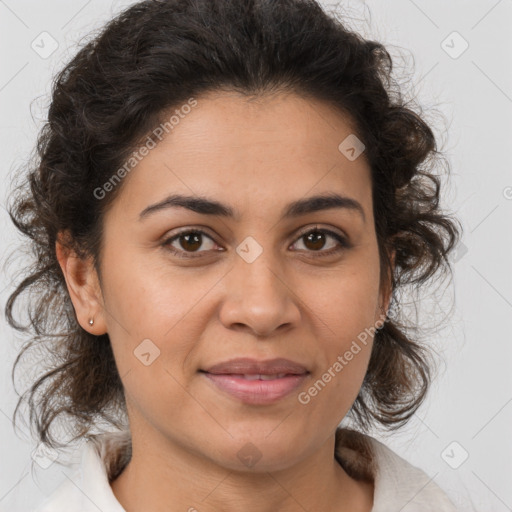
{"x":248,"y":366}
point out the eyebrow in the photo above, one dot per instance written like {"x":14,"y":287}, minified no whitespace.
{"x":297,"y":208}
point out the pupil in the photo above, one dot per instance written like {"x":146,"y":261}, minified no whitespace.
{"x":195,"y":244}
{"x":319,"y":242}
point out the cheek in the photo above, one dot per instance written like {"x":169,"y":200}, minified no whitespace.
{"x":346,"y":301}
{"x":150,"y":302}
{"x":148,"y":296}
{"x":338,"y":378}
{"x":345,"y":308}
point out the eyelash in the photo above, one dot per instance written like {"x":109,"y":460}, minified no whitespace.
{"x":344,"y":244}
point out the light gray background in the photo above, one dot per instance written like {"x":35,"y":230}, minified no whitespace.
{"x":470,"y":402}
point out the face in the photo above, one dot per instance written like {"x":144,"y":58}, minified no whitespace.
{"x":185,"y":290}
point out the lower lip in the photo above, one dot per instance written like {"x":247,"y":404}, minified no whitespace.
{"x":257,"y":391}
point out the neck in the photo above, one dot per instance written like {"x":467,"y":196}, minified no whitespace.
{"x":163,"y":476}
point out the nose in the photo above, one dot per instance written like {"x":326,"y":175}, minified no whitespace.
{"x":258,"y":299}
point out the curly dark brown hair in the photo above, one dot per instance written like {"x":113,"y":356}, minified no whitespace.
{"x":119,"y":86}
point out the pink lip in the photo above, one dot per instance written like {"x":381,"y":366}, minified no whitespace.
{"x":256,"y":391}
{"x":228,"y":377}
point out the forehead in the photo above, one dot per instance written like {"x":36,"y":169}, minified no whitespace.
{"x":250,"y":153}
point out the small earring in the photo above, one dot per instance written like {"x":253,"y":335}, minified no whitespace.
{"x":91,"y":321}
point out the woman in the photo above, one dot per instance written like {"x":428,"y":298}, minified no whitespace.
{"x":229,"y":195}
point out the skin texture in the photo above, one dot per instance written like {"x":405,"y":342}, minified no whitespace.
{"x":256,"y":156}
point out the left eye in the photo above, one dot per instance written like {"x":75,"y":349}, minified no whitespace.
{"x":192,"y":240}
{"x":316,"y":239}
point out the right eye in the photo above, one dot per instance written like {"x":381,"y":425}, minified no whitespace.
{"x":189,"y":239}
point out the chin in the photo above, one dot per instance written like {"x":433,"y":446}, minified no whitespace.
{"x":261,"y":451}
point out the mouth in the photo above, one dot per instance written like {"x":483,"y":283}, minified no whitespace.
{"x":256,"y":382}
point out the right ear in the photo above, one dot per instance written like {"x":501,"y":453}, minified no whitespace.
{"x":83,"y":285}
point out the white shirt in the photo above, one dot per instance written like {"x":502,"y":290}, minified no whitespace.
{"x":398,"y":485}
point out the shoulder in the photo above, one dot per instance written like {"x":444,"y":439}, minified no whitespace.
{"x":64,"y":498}
{"x":87,"y":489}
{"x":397,"y":483}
